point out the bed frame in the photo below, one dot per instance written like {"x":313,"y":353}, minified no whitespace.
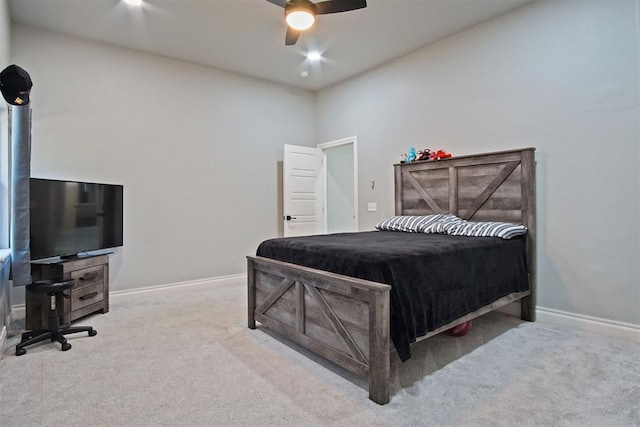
{"x":345,"y":319}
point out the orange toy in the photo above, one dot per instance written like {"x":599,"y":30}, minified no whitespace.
{"x":440,"y":154}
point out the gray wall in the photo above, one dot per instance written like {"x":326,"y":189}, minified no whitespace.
{"x":196,"y":149}
{"x":559,"y":76}
{"x":5,"y":295}
{"x":5,"y":35}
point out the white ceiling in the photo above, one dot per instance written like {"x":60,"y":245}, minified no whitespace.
{"x":247,"y":36}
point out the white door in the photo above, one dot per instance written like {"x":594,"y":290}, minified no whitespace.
{"x":302,"y":191}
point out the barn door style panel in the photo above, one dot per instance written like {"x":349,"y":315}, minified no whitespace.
{"x":490,"y":192}
{"x":343,"y":319}
{"x":319,"y":314}
{"x":496,"y":188}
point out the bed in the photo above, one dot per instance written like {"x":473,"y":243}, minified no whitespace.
{"x":344,"y":305}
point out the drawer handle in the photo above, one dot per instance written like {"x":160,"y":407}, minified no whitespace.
{"x":89,"y":276}
{"x":87,"y":296}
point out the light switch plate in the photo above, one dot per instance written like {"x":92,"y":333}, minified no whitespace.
{"x":372,"y":206}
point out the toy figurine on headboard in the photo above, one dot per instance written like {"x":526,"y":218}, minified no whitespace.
{"x":424,"y":154}
{"x":411,"y":155}
{"x":440,"y":154}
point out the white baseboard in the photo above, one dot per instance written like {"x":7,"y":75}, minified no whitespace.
{"x":581,"y":322}
{"x":588,"y":323}
{"x":217,"y":281}
{"x":18,"y":310}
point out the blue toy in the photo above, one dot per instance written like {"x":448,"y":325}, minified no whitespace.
{"x":411,"y":156}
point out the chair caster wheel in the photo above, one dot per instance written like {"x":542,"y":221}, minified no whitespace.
{"x":93,"y":333}
{"x":66,"y":346}
{"x":20,"y":351}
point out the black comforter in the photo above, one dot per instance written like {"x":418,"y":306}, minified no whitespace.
{"x":435,"y":279}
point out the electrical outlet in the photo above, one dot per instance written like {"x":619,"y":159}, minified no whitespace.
{"x":372,"y":206}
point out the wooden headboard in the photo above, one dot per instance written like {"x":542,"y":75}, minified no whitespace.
{"x":496,"y":186}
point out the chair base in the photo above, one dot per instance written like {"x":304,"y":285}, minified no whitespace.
{"x":55,"y":331}
{"x":33,"y":337}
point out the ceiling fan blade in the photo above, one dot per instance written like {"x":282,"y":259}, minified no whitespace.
{"x":281,"y":3}
{"x":292,"y":36}
{"x":335,"y":6}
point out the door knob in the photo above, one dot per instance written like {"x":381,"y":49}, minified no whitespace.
{"x":289,"y":217}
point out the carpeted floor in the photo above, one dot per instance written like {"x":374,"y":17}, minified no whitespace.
{"x":185,"y":357}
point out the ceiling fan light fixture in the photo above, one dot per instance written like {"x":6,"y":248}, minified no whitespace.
{"x":300,"y":15}
{"x":300,"y":19}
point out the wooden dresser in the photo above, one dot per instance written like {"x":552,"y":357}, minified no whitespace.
{"x":90,"y":295}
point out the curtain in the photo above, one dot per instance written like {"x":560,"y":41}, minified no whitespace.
{"x":20,"y":174}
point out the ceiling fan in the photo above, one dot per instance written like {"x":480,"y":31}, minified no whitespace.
{"x":301,"y":14}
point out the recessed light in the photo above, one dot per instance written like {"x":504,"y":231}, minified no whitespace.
{"x":133,"y":2}
{"x":304,"y":73}
{"x":314,"y":56}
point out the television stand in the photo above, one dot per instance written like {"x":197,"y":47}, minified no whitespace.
{"x":90,"y":295}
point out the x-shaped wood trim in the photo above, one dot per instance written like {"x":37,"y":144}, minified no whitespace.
{"x":328,"y":312}
{"x":491,"y":188}
{"x":275,"y":295}
{"x":423,"y":193}
{"x":337,"y":325}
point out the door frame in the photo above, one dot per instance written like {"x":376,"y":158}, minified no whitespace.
{"x":353,"y":140}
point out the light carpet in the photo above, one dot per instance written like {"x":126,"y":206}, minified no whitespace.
{"x":185,"y":357}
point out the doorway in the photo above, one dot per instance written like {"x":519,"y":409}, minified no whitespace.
{"x":340,"y":172}
{"x":320,"y":188}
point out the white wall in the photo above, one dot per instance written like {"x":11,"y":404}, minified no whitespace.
{"x":196,"y":150}
{"x":561,"y":76}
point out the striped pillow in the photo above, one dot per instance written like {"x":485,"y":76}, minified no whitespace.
{"x":504,"y":230}
{"x":435,"y":227}
{"x":408,"y":223}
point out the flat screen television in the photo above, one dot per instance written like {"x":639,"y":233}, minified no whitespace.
{"x":69,"y":218}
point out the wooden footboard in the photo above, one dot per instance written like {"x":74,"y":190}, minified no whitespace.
{"x":343,"y":319}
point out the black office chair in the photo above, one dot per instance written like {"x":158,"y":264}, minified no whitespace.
{"x":54,"y":332}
